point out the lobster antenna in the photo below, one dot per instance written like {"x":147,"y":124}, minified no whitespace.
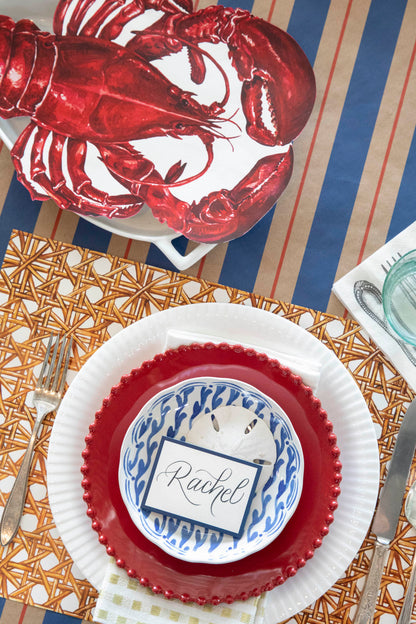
{"x":191,"y":178}
{"x":231,"y":120}
{"x":207,"y":165}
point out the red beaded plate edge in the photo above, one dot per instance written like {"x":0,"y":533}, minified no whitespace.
{"x":208,"y":583}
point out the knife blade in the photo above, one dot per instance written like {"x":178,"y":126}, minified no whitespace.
{"x":387,"y":515}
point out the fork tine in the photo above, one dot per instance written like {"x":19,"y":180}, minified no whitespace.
{"x":47,"y":382}
{"x":65,"y":369}
{"x":45,"y":362}
{"x":390,"y":262}
{"x":386,"y":269}
{"x":59,"y":364}
{"x":65,"y":352}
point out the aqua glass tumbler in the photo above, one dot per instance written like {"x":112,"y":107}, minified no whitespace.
{"x":399,"y":297}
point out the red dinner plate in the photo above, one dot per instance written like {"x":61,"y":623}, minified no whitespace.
{"x":211,"y":583}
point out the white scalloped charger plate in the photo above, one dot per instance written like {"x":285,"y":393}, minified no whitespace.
{"x":185,"y":409}
{"x":336,"y":389}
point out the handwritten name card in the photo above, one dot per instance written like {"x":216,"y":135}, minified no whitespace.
{"x":202,"y":486}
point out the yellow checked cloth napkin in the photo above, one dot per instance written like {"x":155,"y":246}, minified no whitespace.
{"x":123,"y":600}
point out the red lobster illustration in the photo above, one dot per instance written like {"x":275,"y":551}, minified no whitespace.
{"x":90,"y":96}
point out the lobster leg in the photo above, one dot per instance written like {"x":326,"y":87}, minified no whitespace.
{"x":136,"y":7}
{"x":125,"y":11}
{"x":132,"y":169}
{"x":94,"y":23}
{"x":128,"y":166}
{"x":116,"y":24}
{"x":92,"y":26}
{"x":17,"y":154}
{"x":87,"y":196}
{"x":84,"y":198}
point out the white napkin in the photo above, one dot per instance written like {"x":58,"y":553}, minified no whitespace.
{"x":308,"y":370}
{"x":365,"y":282}
{"x":123,"y":600}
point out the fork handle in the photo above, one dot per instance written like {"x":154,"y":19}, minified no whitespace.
{"x":406,"y":614}
{"x":368,"y":602}
{"x":15,"y":503}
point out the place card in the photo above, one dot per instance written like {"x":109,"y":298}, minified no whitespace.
{"x":202,"y":486}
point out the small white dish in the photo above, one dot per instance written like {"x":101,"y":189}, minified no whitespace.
{"x":230,"y":417}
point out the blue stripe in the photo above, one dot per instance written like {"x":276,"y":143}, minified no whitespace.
{"x":2,"y":603}
{"x":238,"y":4}
{"x":90,"y":236}
{"x":348,"y":155}
{"x":157,"y":259}
{"x":58,"y":618}
{"x":306,"y":24}
{"x":243,"y":256}
{"x":405,"y":208}
{"x":19,"y":212}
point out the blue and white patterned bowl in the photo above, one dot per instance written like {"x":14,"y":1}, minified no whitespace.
{"x":186,"y":412}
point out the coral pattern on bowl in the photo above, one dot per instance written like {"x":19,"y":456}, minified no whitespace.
{"x":207,"y":583}
{"x":184,"y":412}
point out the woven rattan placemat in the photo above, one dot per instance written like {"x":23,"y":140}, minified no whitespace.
{"x":49,"y":285}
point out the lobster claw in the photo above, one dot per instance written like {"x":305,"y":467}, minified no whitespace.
{"x":276,"y":74}
{"x":225,"y":214}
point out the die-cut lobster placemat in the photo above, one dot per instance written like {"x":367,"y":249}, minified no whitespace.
{"x":191,"y":113}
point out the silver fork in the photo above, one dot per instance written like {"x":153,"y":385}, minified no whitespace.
{"x":408,"y":284}
{"x":46,"y":398}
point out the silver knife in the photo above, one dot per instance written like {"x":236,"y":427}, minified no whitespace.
{"x":387,"y":515}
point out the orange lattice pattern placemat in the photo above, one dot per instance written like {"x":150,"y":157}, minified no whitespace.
{"x":49,"y":285}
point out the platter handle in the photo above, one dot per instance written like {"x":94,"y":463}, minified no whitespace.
{"x":180,"y":261}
